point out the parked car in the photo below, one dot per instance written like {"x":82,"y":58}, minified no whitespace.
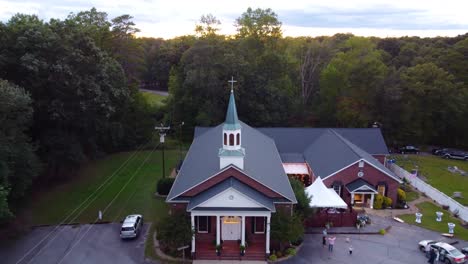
{"x":455,"y":154}
{"x":408,"y":149}
{"x":423,"y":243}
{"x":439,"y":151}
{"x":131,"y":226}
{"x":447,"y":253}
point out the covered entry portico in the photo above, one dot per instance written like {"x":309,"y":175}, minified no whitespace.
{"x":231,"y":229}
{"x":362,"y":193}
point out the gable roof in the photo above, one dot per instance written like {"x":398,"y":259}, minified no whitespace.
{"x":297,"y":140}
{"x":262,"y":162}
{"x":360,"y":184}
{"x":331,"y":152}
{"x":231,"y":182}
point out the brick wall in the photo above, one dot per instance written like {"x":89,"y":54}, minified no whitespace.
{"x":371,"y":175}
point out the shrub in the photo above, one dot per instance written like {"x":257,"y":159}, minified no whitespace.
{"x":378,"y":201}
{"x":382,"y":231}
{"x":291,"y":251}
{"x":279,"y":254}
{"x":173,"y":231}
{"x":165,"y":185}
{"x":401,"y":195}
{"x":273,"y":257}
{"x":387,"y":202}
{"x":297,"y":242}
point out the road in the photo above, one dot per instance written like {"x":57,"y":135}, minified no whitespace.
{"x":101,"y":244}
{"x":163,"y":93}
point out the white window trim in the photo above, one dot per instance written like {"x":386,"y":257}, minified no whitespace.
{"x":255,"y":226}
{"x":339,"y":189}
{"x":198,"y":224}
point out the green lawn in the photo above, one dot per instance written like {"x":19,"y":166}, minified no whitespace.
{"x":154,"y":99}
{"x":434,"y":168}
{"x":428,"y":210}
{"x":411,"y":196}
{"x":137,"y":197}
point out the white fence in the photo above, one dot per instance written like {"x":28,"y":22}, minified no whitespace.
{"x":432,"y":192}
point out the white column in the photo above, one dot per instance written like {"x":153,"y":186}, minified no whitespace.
{"x":372,"y":201}
{"x":218,"y":235}
{"x":243,"y":231}
{"x":352,"y":199}
{"x":193,"y":229}
{"x":268,"y":235}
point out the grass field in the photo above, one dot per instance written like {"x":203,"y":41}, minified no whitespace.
{"x":154,"y":99}
{"x":429,"y":220}
{"x":434,"y":169}
{"x":140,"y":178}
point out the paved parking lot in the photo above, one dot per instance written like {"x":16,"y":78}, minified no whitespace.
{"x":101,"y":244}
{"x":397,"y":246}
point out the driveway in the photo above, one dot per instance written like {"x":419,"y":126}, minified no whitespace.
{"x":101,"y":244}
{"x":397,"y":246}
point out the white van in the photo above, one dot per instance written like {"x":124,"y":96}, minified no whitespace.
{"x":131,"y":226}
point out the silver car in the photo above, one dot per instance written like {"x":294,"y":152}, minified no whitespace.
{"x":131,"y":226}
{"x":449,"y":254}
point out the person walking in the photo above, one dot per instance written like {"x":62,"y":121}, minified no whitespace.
{"x":350,"y":249}
{"x":427,"y":249}
{"x":331,"y":243}
{"x":324,"y":237}
{"x":432,"y":256}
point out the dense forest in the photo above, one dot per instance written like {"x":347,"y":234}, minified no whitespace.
{"x":69,"y":88}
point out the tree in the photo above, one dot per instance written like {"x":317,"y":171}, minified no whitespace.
{"x":316,"y":55}
{"x":302,"y":208}
{"x":174,"y":231}
{"x":286,"y":228}
{"x":426,"y":86}
{"x":351,"y":83}
{"x":5,"y":212}
{"x":208,"y":26}
{"x":258,"y":23}
{"x":18,"y":162}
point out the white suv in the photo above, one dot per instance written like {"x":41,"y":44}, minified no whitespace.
{"x":131,"y":226}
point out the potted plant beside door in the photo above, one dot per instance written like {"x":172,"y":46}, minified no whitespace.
{"x":242,"y":250}
{"x":218,"y":250}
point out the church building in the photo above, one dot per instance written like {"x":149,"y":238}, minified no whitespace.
{"x":235,"y":177}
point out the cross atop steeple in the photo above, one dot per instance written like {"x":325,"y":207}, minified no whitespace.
{"x":232,"y":81}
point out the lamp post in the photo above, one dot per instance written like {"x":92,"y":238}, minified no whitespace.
{"x":162,"y":134}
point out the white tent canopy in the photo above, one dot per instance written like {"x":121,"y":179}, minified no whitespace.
{"x":321,"y":196}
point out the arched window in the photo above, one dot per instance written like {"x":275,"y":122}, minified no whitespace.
{"x":231,"y":140}
{"x":238,"y":139}
{"x":225,"y":139}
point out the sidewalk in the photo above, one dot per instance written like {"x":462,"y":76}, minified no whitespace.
{"x":390,"y":213}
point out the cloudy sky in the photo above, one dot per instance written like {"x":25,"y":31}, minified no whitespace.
{"x":169,"y":18}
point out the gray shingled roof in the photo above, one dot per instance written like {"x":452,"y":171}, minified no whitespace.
{"x":297,"y":140}
{"x":352,"y":186}
{"x":235,"y":184}
{"x":292,"y":157}
{"x":328,"y":154}
{"x":262,"y":161}
{"x":331,"y":152}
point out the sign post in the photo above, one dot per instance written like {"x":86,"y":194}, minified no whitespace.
{"x":183,"y":252}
